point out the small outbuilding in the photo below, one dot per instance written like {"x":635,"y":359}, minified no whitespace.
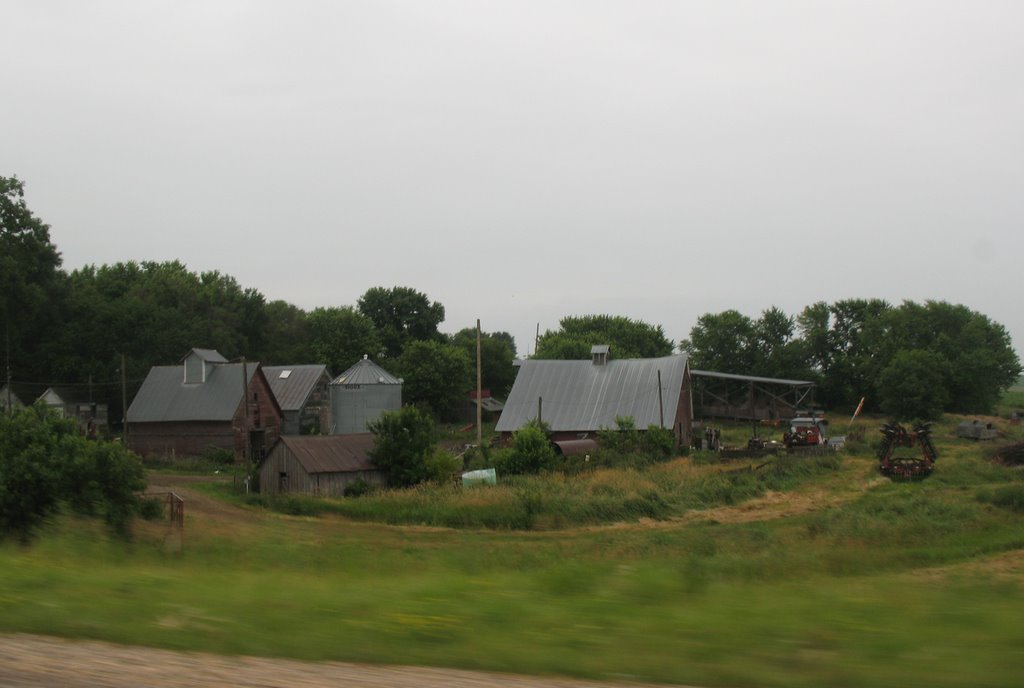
{"x":321,"y":465}
{"x":302,"y":393}
{"x":16,"y":395}
{"x":77,"y":403}
{"x":360,"y":395}
{"x":748,"y":397}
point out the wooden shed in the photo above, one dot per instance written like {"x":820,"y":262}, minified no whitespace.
{"x":321,"y":465}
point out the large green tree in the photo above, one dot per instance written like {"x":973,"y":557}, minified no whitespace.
{"x":436,"y":375}
{"x":627,"y":338}
{"x":153,"y":313}
{"x":912,"y":385}
{"x":496,"y":356}
{"x":401,"y":315}
{"x":723,"y":342}
{"x":339,"y":337}
{"x":974,"y":354}
{"x":31,"y":283}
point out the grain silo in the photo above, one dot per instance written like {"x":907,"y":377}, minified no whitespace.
{"x":360,"y":395}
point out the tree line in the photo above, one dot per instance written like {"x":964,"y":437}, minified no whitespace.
{"x":73,"y":327}
{"x":909,"y":360}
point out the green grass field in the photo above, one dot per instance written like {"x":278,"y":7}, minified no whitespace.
{"x":827,"y":576}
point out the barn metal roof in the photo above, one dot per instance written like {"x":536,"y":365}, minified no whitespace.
{"x":208,"y":355}
{"x":164,"y":396}
{"x":366,"y":372}
{"x":293,"y":384}
{"x":330,"y":453}
{"x":581,"y":396}
{"x":751,"y":378}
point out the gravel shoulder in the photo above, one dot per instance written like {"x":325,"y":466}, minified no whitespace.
{"x":39,"y":661}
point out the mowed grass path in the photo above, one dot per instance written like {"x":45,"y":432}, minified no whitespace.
{"x":847,"y":580}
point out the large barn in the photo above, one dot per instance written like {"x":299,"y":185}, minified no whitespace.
{"x":198,"y":405}
{"x":319,"y":465}
{"x":578,"y":398}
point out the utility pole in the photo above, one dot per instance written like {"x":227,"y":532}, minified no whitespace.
{"x":479,"y":391}
{"x":540,"y":406}
{"x":536,"y":340}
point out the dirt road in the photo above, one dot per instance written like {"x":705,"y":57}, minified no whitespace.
{"x":37,"y":661}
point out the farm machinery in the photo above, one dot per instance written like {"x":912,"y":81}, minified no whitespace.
{"x":805,"y":433}
{"x":899,"y":465}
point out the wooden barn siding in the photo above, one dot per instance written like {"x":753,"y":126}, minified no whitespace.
{"x":299,"y":481}
{"x":262,"y":413}
{"x":187,"y":438}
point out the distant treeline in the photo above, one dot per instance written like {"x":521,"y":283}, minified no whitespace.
{"x":910,"y":360}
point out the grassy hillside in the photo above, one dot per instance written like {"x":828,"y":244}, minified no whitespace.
{"x":831,"y":575}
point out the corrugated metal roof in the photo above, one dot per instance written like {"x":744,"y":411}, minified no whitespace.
{"x":366,"y":372}
{"x":581,"y":396}
{"x":293,"y":389}
{"x":164,"y":396}
{"x":208,"y":355}
{"x":750,"y":378}
{"x":331,"y":453}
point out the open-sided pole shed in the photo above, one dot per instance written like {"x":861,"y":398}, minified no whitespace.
{"x":747,"y":397}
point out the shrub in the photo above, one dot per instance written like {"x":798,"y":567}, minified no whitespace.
{"x":357,"y":488}
{"x":45,"y":462}
{"x":530,"y":452}
{"x":404,"y":445}
{"x":219,"y":456}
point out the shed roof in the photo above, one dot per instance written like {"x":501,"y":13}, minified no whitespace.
{"x":23,"y":393}
{"x":581,"y":396}
{"x":71,"y":395}
{"x":366,"y":372}
{"x":752,"y":378}
{"x":330,"y":453}
{"x":208,"y":355}
{"x":164,"y":396}
{"x":293,"y":384}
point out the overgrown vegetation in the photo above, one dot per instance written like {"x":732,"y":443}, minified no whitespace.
{"x":803,"y":573}
{"x":45,"y":464}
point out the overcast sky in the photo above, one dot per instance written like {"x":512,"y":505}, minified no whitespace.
{"x":522,"y":161}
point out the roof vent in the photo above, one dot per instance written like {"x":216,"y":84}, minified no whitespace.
{"x":599,"y":354}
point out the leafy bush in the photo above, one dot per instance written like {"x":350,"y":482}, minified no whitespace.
{"x":404,"y":445}
{"x":357,"y":488}
{"x":219,"y":456}
{"x":45,"y":462}
{"x":530,"y":452}
{"x":627,"y":446}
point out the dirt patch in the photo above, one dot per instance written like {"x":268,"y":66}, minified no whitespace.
{"x":27,"y":660}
